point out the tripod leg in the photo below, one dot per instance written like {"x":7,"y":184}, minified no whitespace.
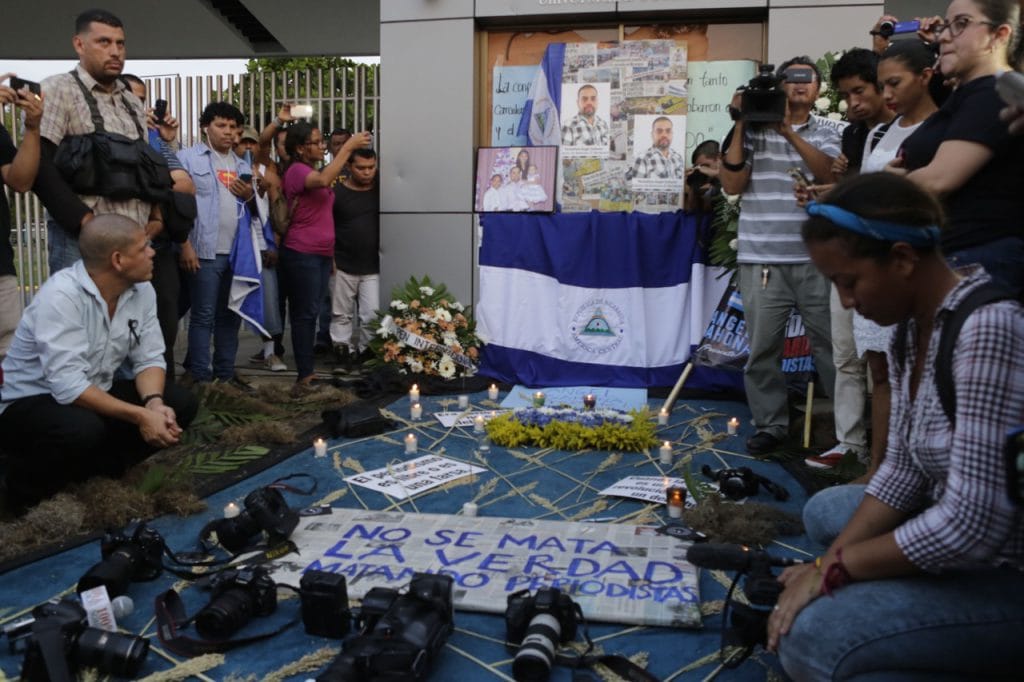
{"x":807,"y":414}
{"x":667,"y":406}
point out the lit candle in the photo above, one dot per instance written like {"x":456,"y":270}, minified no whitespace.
{"x":492,"y":392}
{"x":410,"y":444}
{"x":231,"y":510}
{"x":665,"y":453}
{"x":733,"y":426}
{"x":416,"y":411}
{"x":675,"y":499}
{"x":589,"y":401}
{"x":469,"y":509}
{"x":414,"y":393}
{"x":319,"y":448}
{"x":538,"y":399}
{"x":478,"y":424}
{"x":663,"y":417}
{"x":463,"y":402}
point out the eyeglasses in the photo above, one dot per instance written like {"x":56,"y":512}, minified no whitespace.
{"x":958,"y":25}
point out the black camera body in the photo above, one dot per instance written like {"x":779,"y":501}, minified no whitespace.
{"x":265,"y":510}
{"x":324,"y":598}
{"x":126,"y":559}
{"x":238,"y":596}
{"x":763,"y":99}
{"x":739,"y":482}
{"x":401,"y":634}
{"x":538,"y":624}
{"x":57,"y":640}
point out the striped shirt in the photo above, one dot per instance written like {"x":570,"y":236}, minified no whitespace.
{"x":956,"y":479}
{"x":67,"y":113}
{"x":769,"y":228}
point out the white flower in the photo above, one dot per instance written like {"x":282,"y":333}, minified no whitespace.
{"x":843,"y":106}
{"x":446,"y":367}
{"x":838,"y":54}
{"x":734,"y":244}
{"x":822,"y":103}
{"x":457,"y":307}
{"x":823,"y":88}
{"x":427,"y":291}
{"x":415,"y":365}
{"x":385,"y":326}
{"x":449,"y":339}
{"x":732,"y":199}
{"x":836,"y":116}
{"x":444,"y":315}
{"x":427,"y":317}
{"x":399,"y":305}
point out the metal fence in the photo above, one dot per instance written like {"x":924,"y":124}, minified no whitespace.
{"x":346,"y":97}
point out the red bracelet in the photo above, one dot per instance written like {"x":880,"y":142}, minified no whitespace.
{"x":836,"y":575}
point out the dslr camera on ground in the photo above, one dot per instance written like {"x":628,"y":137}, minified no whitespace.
{"x":57,"y":640}
{"x":539,"y":624}
{"x":266,"y":511}
{"x":400,"y":634}
{"x":126,"y":559}
{"x":763,"y":100}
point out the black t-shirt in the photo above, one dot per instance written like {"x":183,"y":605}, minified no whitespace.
{"x":990,"y":205}
{"x":854,"y":137}
{"x":7,"y":154}
{"x":357,"y":230}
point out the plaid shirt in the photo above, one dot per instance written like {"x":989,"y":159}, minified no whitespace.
{"x":579,"y":133}
{"x":67,"y":113}
{"x":956,"y":479}
{"x":654,"y":165}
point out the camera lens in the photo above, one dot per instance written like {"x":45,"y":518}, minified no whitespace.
{"x":536,"y":654}
{"x":226,"y":614}
{"x":115,"y":572}
{"x":886,"y":29}
{"x":112,"y":653}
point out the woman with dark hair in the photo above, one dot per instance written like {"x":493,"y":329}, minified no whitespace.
{"x":964,"y":153}
{"x":523,"y":163}
{"x":924,"y":582}
{"x":307,"y":250}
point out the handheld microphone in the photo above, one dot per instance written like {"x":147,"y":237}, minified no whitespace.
{"x":732,"y":557}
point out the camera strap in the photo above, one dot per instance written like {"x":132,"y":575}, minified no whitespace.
{"x":267,"y":554}
{"x":618,"y":664}
{"x":170,"y":618}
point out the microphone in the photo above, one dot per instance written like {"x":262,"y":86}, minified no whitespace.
{"x":122,"y":606}
{"x":732,"y":557}
{"x":103,"y":612}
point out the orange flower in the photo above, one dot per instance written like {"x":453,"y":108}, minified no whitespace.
{"x":414,"y":304}
{"x":473,"y":352}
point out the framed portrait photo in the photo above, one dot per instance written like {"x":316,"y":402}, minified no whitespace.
{"x":515,"y":179}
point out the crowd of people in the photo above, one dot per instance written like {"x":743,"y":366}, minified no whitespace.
{"x":903,"y":255}
{"x":143,"y":233}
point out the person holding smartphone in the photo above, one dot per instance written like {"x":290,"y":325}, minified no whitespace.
{"x":18,"y":166}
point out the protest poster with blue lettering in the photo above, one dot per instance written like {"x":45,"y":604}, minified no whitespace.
{"x":617,"y":573}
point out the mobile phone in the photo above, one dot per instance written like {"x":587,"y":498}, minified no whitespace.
{"x":1009,"y":85}
{"x":160,"y":110}
{"x":799,"y":177}
{"x":21,"y":84}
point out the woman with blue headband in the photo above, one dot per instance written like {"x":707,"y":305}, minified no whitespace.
{"x":925,"y":580}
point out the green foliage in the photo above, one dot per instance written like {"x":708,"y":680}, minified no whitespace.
{"x":505,"y":430}
{"x":724,"y":232}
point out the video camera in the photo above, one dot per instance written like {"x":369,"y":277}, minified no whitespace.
{"x":538,"y":624}
{"x":57,"y":641}
{"x":744,"y":626}
{"x":888,"y":29}
{"x":400,"y":634}
{"x":126,"y":559}
{"x":763,"y":100}
{"x":266,"y":511}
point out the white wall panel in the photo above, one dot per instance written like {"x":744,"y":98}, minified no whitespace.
{"x":437,"y":244}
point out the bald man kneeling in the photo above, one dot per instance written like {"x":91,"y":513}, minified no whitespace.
{"x":63,"y":415}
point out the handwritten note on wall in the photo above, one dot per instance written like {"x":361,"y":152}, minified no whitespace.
{"x":511,"y":86}
{"x":711,"y":86}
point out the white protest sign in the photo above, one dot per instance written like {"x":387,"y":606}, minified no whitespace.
{"x":711,"y":86}
{"x":647,"y":489}
{"x":465,"y":419}
{"x":411,"y":477}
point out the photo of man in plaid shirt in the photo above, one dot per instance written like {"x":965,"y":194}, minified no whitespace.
{"x":586,"y":128}
{"x":660,"y":161}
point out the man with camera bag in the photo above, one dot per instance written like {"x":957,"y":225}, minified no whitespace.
{"x":775,"y":133}
{"x":63,"y":416}
{"x":88,"y":110}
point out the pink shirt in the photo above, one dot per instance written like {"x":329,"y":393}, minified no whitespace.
{"x":312,"y":225}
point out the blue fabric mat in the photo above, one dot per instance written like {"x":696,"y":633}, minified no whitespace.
{"x":475,"y":651}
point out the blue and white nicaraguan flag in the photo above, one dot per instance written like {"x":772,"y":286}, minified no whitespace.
{"x":245,"y":298}
{"x":597,"y":299}
{"x":539,"y":120}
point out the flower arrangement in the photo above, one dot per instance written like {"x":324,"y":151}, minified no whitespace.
{"x":828,"y":103}
{"x":725,"y":231}
{"x":426,"y":331}
{"x":568,"y":429}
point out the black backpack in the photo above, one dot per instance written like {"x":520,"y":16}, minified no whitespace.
{"x":983,"y":295}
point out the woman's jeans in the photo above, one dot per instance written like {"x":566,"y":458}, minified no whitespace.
{"x":305,"y":279}
{"x":1002,"y":259}
{"x":959,"y":625}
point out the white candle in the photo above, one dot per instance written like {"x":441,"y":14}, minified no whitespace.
{"x":492,"y":392}
{"x":478,"y":424}
{"x":733,"y":426}
{"x":463,"y":402}
{"x":410,"y":444}
{"x":538,"y":399}
{"x":416,"y":411}
{"x":231,"y":510}
{"x":469,"y":509}
{"x":665,"y":453}
{"x":414,"y":393}
{"x":663,"y":417}
{"x":319,"y":448}
{"x":675,"y":499}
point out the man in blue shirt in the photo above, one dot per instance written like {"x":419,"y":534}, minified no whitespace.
{"x":63,"y":416}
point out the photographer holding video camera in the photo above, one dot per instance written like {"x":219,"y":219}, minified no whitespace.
{"x":775,"y":132}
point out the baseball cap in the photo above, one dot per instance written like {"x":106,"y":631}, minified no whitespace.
{"x":249,"y":133}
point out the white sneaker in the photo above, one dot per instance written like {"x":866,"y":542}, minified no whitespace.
{"x":275,"y":364}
